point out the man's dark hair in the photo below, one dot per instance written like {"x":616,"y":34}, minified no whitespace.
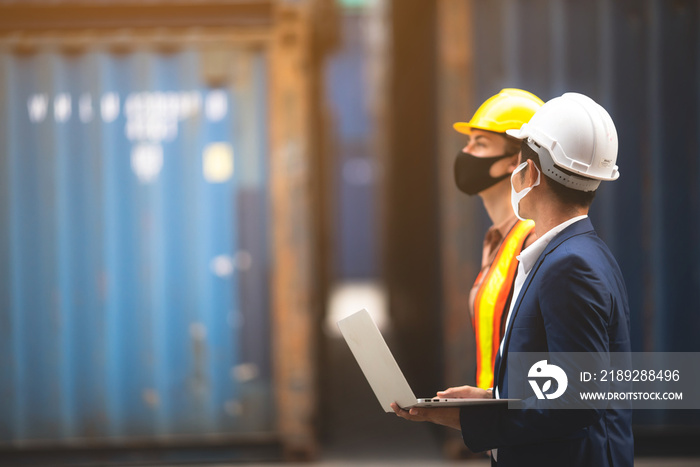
{"x":563,"y":193}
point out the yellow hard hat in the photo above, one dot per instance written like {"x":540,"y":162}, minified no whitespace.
{"x":507,"y":110}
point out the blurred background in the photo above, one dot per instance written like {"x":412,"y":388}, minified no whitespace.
{"x":193,"y":192}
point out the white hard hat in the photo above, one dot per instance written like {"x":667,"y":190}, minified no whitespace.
{"x":578,"y":135}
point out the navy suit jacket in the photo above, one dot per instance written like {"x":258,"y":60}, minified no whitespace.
{"x":573,"y":300}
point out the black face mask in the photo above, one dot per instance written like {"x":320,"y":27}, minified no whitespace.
{"x":472,"y":173}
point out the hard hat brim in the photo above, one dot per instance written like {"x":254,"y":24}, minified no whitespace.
{"x":466,"y":128}
{"x":517,"y":134}
{"x":463,"y":127}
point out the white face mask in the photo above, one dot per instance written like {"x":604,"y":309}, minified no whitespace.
{"x":516,"y":197}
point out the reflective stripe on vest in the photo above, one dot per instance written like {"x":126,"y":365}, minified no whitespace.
{"x":491,"y":300}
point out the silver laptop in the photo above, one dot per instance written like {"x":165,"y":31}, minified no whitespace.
{"x":382,"y":371}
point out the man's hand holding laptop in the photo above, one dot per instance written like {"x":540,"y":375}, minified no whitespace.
{"x":448,"y":416}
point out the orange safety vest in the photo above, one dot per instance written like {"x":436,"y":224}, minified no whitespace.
{"x":492,"y":299}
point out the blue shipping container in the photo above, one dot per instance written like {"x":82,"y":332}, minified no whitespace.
{"x":133,"y":249}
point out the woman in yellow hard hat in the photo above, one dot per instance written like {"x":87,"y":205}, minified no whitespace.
{"x":484,"y":167}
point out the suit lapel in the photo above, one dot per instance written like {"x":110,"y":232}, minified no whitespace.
{"x":577,"y":228}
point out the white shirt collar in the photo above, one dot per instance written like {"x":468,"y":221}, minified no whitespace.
{"x":529,"y":255}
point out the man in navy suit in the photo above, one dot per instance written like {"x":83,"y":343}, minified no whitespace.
{"x":569,"y":296}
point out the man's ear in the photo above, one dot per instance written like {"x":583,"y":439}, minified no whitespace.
{"x":532,"y":172}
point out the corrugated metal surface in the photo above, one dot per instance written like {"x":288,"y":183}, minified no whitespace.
{"x":641,"y":61}
{"x":134,"y":256}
